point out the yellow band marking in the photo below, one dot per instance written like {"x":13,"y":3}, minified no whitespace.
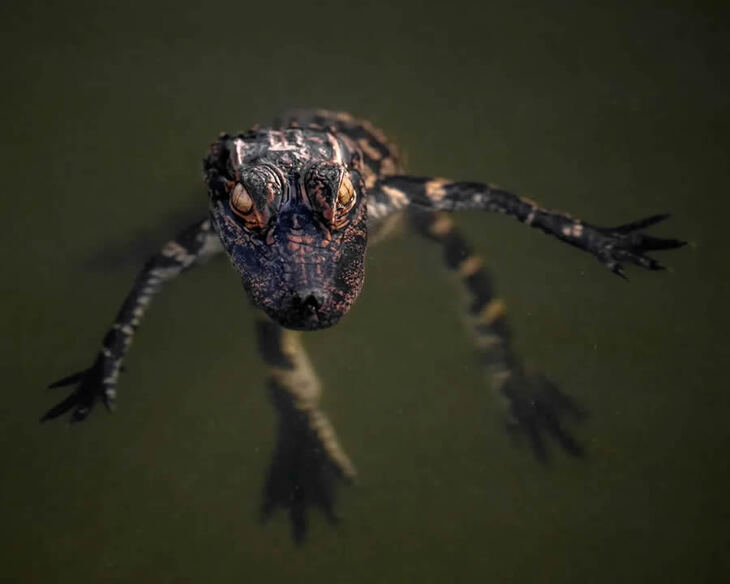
{"x":494,"y":310}
{"x":441,"y":226}
{"x":387,"y":167}
{"x":398,"y":198}
{"x":369,"y":149}
{"x":470,"y":266}
{"x":435,"y":189}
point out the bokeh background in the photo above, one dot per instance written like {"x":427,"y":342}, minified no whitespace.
{"x":611,"y":111}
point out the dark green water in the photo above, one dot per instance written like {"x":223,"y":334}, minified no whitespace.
{"x":612,"y":113}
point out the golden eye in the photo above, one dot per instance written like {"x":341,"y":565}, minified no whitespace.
{"x":346,"y":194}
{"x":241,"y":201}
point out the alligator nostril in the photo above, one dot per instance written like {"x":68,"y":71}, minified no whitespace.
{"x":311,"y":300}
{"x":314,"y":300}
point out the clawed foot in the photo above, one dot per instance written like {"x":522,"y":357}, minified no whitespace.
{"x":91,"y":388}
{"x":536,"y":409}
{"x":625,"y":243}
{"x":301,"y":474}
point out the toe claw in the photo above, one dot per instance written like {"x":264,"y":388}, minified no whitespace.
{"x":642,"y":223}
{"x":68,"y":380}
{"x":59,"y":409}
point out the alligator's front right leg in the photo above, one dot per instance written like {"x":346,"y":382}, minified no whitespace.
{"x":98,"y":382}
{"x":308,"y":460}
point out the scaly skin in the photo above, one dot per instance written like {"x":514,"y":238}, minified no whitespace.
{"x":292,"y":206}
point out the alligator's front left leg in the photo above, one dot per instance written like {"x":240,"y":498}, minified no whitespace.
{"x":612,"y":246}
{"x":98,"y":383}
{"x":308,"y":459}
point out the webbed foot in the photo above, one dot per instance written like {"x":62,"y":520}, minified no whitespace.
{"x":537,"y":409}
{"x":302,"y":474}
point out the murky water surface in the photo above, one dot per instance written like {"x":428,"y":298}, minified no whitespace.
{"x":611,"y":113}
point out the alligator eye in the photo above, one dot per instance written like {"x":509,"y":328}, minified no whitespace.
{"x":241,"y":201}
{"x":346,"y":194}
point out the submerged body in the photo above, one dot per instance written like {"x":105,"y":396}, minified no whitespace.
{"x":292,"y":206}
